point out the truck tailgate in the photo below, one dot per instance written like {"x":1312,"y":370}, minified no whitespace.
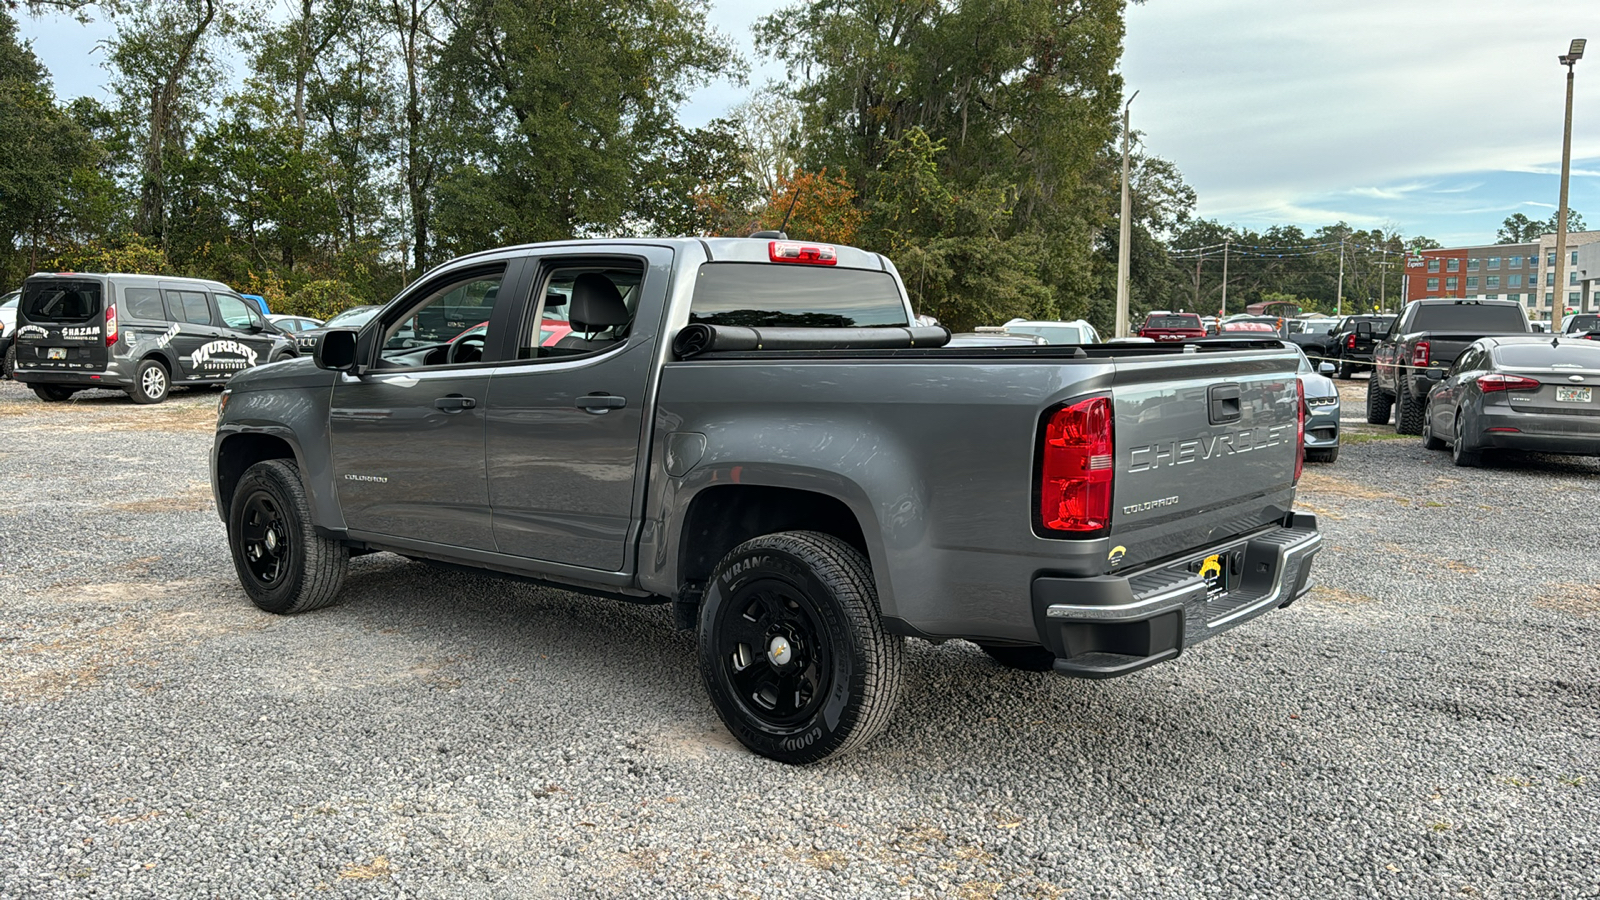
{"x":1206,"y":449}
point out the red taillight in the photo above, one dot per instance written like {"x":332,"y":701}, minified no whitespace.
{"x":1299,"y":429}
{"x":1419,"y":354}
{"x":1076,"y":469}
{"x":1491,"y":383}
{"x":796,"y":252}
{"x":1350,"y":342}
{"x":111,"y":324}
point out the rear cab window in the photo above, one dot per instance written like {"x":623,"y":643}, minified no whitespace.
{"x":1192,"y":322}
{"x":1469,"y":317}
{"x":769,"y":295}
{"x":59,"y":301}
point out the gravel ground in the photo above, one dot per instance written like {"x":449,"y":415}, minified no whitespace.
{"x":1425,"y":725}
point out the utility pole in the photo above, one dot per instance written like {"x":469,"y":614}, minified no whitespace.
{"x":1197,"y":261}
{"x":1383,"y":272}
{"x":1224,"y":278}
{"x":1338,"y":297}
{"x":1558,"y":301}
{"x":1124,"y":248}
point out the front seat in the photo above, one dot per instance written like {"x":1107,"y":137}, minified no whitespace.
{"x":596,"y":307}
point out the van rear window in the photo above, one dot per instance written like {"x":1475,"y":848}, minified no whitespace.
{"x":65,"y":302}
{"x":772,"y":295}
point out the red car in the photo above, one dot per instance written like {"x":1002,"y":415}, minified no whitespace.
{"x":1163,"y":327}
{"x":1246,"y":327}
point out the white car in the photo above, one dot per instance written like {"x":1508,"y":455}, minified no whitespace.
{"x":1075,"y":332}
{"x":8,"y":313}
{"x":292,"y":324}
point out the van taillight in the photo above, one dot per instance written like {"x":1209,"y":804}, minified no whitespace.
{"x":111,"y":324}
{"x":1419,"y":355}
{"x":1299,"y":429}
{"x":1075,"y":469}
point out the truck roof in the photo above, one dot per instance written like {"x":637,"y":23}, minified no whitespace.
{"x":717,"y":249}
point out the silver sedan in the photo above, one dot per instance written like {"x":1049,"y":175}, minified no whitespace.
{"x":1532,"y":392}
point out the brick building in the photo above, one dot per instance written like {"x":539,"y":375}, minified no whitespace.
{"x":1521,"y":272}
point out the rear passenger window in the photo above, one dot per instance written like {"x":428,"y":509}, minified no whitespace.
{"x":143,"y":303}
{"x":189,"y":306}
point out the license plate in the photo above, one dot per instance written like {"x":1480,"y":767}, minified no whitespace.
{"x":1574,"y":394}
{"x":56,"y":353}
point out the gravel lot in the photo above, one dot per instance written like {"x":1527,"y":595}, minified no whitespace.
{"x":1426,"y":725}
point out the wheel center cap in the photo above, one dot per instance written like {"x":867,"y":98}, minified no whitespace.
{"x":779,"y":651}
{"x":272,"y":540}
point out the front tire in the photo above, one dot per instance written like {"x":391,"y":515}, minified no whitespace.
{"x":282,"y":563}
{"x":1378,"y":403}
{"x":53,"y":393}
{"x":792,"y":648}
{"x":151,"y":383}
{"x":1322,"y":454}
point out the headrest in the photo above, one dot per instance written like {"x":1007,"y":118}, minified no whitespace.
{"x":596,"y":304}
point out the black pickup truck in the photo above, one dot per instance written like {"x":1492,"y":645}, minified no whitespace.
{"x":1429,"y":334}
{"x":1352,"y":341}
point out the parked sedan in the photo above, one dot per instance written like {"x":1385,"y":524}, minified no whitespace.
{"x":1519,"y":393}
{"x":292,"y":324}
{"x":1322,"y":411}
{"x":354,"y":317}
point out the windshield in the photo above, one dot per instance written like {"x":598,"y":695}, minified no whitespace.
{"x":768,"y":295}
{"x":352,"y":317}
{"x":1055,"y":334}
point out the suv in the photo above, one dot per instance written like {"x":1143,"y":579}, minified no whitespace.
{"x":137,"y":333}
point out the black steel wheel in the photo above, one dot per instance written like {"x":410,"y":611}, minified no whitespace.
{"x":151,"y":383}
{"x":792,"y":650}
{"x":52,"y":393}
{"x":282,"y":564}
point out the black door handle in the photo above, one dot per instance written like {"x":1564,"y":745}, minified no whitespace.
{"x":599,"y":403}
{"x":455,"y":403}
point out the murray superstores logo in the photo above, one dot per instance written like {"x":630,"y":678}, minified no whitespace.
{"x":223,"y":356}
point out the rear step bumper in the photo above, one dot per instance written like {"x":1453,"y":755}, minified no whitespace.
{"x":1114,"y":625}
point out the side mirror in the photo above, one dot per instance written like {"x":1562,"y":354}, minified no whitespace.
{"x":1363,"y":328}
{"x":335,"y":349}
{"x":1326,"y":369}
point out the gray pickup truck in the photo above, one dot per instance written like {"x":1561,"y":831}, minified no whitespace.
{"x":753,"y":431}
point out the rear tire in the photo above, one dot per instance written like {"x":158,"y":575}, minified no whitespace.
{"x":1023,"y":659}
{"x":792,"y":650}
{"x":284,"y":566}
{"x":1346,"y":371}
{"x":1466,"y":459}
{"x":1322,"y":454}
{"x":1408,"y":412}
{"x":52,"y":393}
{"x":151,"y":383}
{"x":1378,"y":404}
{"x":8,"y":369}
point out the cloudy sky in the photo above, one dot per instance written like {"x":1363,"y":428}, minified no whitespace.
{"x":1439,"y":117}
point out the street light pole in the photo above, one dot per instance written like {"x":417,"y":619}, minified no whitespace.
{"x":1124,"y":250}
{"x":1558,"y":301}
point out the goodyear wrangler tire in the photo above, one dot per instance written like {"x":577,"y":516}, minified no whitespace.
{"x":282,"y":563}
{"x":792,"y":648}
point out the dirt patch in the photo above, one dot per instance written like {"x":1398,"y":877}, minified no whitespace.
{"x":1318,"y":483}
{"x":1335,"y":595}
{"x":1319,"y":511}
{"x":1572,"y":598}
{"x":194,"y":498}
